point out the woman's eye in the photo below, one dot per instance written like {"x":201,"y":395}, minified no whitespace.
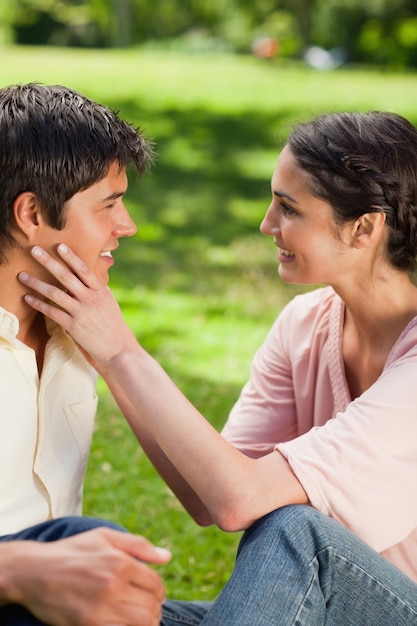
{"x":286,"y":208}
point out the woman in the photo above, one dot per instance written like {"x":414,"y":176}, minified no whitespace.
{"x":329,"y":416}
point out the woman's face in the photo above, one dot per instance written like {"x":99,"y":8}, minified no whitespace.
{"x":310,"y":244}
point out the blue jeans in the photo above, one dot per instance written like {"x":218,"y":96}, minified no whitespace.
{"x":295,"y":567}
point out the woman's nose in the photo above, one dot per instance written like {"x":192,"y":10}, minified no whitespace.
{"x":269,"y":226}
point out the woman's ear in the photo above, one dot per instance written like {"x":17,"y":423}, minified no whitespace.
{"x":27,"y":216}
{"x":368,"y":229}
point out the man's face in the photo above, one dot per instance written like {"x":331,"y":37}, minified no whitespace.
{"x":95,"y":219}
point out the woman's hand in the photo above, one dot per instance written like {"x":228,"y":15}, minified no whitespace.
{"x":84,"y":307}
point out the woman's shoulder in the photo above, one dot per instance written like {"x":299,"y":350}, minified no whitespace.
{"x":406,"y":344}
{"x":308,"y":321}
{"x":317,"y":303}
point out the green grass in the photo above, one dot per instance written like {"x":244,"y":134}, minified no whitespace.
{"x":198,"y":283}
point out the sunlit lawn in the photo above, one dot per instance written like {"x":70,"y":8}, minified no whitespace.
{"x":198,"y":283}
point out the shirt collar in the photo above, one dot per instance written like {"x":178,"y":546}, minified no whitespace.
{"x":9,"y":327}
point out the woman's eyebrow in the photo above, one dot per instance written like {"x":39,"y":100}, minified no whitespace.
{"x":281,"y":194}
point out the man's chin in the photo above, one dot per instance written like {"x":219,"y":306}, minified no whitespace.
{"x":104,"y":277}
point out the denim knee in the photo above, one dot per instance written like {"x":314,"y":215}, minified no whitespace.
{"x":297,"y":567}
{"x":334,"y":563}
{"x":284,"y":524}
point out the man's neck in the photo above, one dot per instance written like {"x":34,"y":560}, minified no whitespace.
{"x":32,"y":330}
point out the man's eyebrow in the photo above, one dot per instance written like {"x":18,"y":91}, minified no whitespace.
{"x":113,"y":196}
{"x":281,"y":194}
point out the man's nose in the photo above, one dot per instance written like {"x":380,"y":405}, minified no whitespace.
{"x":125,"y":226}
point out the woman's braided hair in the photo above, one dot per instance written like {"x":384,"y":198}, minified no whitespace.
{"x":362,"y":163}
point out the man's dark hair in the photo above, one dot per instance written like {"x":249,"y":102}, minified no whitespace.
{"x":55,"y":142}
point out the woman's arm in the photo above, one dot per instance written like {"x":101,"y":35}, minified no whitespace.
{"x":235,"y":489}
{"x":188,"y":498}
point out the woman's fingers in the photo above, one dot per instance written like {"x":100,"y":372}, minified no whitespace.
{"x":79,"y":267}
{"x":52,"y":294}
{"x":77,"y":281}
{"x":65,"y":298}
{"x":78,"y":274}
{"x":84,"y":306}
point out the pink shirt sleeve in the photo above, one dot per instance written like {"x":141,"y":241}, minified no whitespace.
{"x":280,"y":400}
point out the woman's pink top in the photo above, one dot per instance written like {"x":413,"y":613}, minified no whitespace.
{"x":356,"y":460}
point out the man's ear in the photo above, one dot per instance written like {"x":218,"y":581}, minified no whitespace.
{"x":368,"y":228}
{"x":27,"y":215}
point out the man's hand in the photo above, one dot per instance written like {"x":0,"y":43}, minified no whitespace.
{"x":96,"y":578}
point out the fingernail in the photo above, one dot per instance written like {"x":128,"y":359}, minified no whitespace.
{"x":37,"y":251}
{"x":23,"y":276}
{"x":163,"y":552}
{"x":63,"y":248}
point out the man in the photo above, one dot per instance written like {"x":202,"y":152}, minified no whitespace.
{"x":63,"y":162}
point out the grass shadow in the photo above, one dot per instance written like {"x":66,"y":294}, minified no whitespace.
{"x":208,"y":191}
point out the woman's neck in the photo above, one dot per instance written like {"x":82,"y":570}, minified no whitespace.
{"x":373,"y":323}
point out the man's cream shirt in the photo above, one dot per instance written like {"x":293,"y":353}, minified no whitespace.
{"x":46,"y":427}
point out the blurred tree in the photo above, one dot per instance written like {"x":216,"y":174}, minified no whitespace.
{"x":378,"y":31}
{"x":122,"y":23}
{"x":7,"y":19}
{"x":58,"y":22}
{"x":303,"y":11}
